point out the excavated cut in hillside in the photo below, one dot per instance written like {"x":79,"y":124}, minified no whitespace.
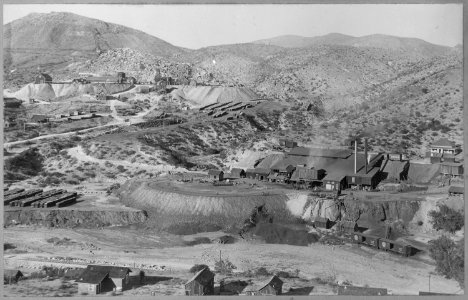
{"x":204,"y":95}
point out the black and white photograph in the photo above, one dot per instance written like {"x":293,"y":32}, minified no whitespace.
{"x":232,"y":150}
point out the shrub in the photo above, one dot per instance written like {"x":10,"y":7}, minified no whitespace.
{"x":449,"y":258}
{"x":198,"y":267}
{"x":262,"y":271}
{"x":224,"y":266}
{"x":446,"y":219}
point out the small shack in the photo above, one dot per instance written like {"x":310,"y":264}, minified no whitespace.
{"x":361,"y":291}
{"x":42,"y":78}
{"x":321,"y":222}
{"x":202,"y":283}
{"x":271,"y":287}
{"x":236,"y":173}
{"x":456,"y":190}
{"x":11,"y":276}
{"x":97,"y":279}
{"x":258,"y":173}
{"x":39,"y":118}
{"x":216,"y":175}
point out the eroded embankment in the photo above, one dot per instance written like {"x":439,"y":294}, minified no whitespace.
{"x":166,"y":208}
{"x":65,"y":218}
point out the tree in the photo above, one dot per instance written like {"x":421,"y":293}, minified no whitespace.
{"x":449,"y":257}
{"x":446,"y":219}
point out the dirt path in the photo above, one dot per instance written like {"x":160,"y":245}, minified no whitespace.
{"x":358,"y":265}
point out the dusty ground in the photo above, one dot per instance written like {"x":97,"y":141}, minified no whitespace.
{"x":168,"y":255}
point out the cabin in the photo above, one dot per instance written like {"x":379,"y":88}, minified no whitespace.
{"x":97,"y":279}
{"x":361,"y":291}
{"x":321,"y":222}
{"x":271,"y":287}
{"x":334,"y":181}
{"x":456,"y":190}
{"x":452,"y":169}
{"x":11,"y":276}
{"x":42,"y":78}
{"x":202,"y":283}
{"x":363,"y":179}
{"x":216,"y":175}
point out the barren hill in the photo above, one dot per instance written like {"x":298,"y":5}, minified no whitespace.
{"x":410,"y":45}
{"x":52,"y":40}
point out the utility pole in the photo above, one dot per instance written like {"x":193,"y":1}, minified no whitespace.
{"x":429,"y":282}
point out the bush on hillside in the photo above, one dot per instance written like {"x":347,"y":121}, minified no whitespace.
{"x":224,"y":266}
{"x":28,"y":162}
{"x":449,"y":257}
{"x":447,"y":219}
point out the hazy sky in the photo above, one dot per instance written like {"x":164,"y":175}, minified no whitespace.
{"x":195,"y":26}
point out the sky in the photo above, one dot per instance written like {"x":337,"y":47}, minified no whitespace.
{"x":196,"y":26}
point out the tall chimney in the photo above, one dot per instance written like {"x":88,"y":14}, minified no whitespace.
{"x":365,"y":152}
{"x":355,"y":156}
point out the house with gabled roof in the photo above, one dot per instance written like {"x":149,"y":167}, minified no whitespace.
{"x":202,"y":283}
{"x":97,"y":279}
{"x":272,"y":286}
{"x":216,"y":175}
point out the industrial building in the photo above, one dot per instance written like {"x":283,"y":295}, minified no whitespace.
{"x":42,"y":78}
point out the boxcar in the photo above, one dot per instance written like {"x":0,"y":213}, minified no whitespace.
{"x":402,"y":249}
{"x":385,"y":244}
{"x":358,"y":237}
{"x":371,"y":240}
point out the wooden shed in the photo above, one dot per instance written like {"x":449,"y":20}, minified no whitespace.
{"x":321,"y":222}
{"x":11,"y":276}
{"x":271,"y":287}
{"x":42,"y":78}
{"x":257,"y":173}
{"x":216,"y":175}
{"x":202,"y":283}
{"x":235,"y":173}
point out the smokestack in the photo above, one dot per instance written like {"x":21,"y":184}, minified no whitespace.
{"x":355,"y":156}
{"x":365,"y":152}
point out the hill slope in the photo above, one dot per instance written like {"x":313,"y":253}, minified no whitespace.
{"x":410,"y":45}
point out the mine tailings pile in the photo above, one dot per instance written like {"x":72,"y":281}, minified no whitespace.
{"x":184,"y":213}
{"x":47,"y":91}
{"x":66,"y":218}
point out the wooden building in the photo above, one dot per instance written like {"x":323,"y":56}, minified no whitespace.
{"x":97,"y":279}
{"x":321,"y":222}
{"x":334,"y":181}
{"x":237,"y":173}
{"x":442,"y":146}
{"x":10,"y":102}
{"x":42,"y":78}
{"x":11,"y":276}
{"x":40,"y":118}
{"x":361,"y":291}
{"x":202,"y":283}
{"x":216,"y":175}
{"x":362,"y":179}
{"x":452,"y":169}
{"x":271,"y":287}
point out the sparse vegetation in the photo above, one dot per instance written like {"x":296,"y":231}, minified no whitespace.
{"x":449,"y":257}
{"x":446,"y":219}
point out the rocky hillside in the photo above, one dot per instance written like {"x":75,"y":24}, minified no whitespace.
{"x":381,"y":41}
{"x":54,"y":40}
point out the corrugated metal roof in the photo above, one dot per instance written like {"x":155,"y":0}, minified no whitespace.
{"x":443,"y":142}
{"x":456,"y":189}
{"x":113,"y":271}
{"x":318,"y":152}
{"x":304,"y":173}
